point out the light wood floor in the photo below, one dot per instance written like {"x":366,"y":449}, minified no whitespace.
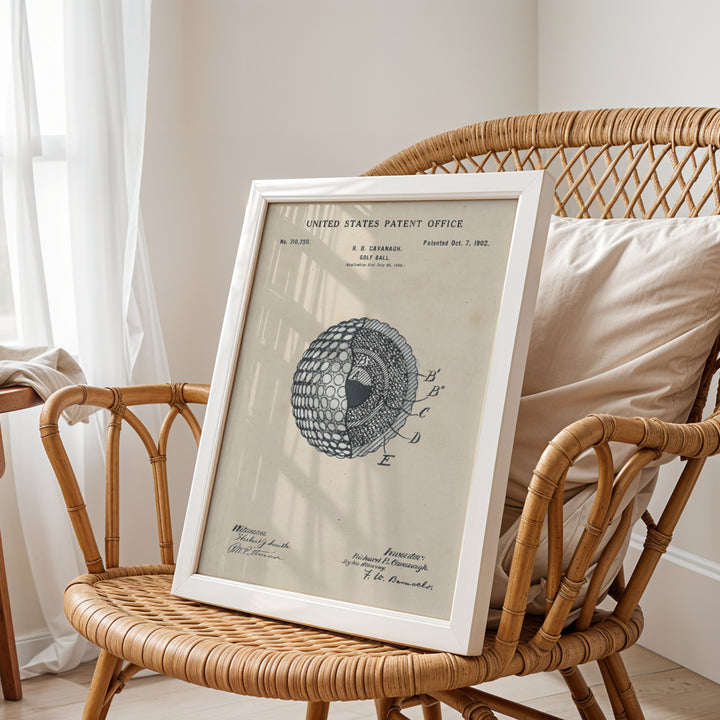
{"x":666,"y":691}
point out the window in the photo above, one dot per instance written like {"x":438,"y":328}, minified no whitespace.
{"x":45,"y":27}
{"x":8,"y":330}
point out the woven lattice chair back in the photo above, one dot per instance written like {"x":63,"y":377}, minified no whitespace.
{"x":633,"y":163}
{"x":613,"y":163}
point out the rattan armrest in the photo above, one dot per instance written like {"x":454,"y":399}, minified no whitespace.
{"x":652,"y":438}
{"x":118,"y":402}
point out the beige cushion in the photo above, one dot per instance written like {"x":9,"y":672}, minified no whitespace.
{"x":626,"y":315}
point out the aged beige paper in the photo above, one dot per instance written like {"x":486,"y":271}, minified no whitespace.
{"x":350,"y":438}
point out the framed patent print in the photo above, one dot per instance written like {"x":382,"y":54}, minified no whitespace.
{"x":352,"y":468}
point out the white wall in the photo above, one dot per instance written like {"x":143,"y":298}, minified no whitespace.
{"x":630,"y":54}
{"x":627,"y":54}
{"x":275,"y":88}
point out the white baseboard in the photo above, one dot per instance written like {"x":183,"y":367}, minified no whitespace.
{"x":680,"y":608}
{"x":28,"y":646}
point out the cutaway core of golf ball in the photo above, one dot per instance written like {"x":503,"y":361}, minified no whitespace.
{"x":354,"y":387}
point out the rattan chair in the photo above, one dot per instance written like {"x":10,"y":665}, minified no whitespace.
{"x":609,"y":163}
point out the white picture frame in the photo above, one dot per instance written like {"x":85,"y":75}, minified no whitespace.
{"x":356,"y":445}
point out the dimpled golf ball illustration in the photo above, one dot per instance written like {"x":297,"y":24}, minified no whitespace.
{"x":354,"y":387}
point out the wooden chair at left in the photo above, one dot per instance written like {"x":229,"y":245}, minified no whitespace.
{"x":12,"y":398}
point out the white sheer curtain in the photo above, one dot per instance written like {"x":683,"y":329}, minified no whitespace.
{"x":118,"y":333}
{"x":21,"y":144}
{"x":107,"y":47}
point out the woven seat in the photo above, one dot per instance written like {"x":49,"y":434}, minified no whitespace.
{"x":642,"y":163}
{"x":209,"y":645}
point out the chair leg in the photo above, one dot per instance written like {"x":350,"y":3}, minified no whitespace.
{"x":9,"y":670}
{"x":432,"y":709}
{"x":582,"y":695}
{"x":317,"y":711}
{"x":383,"y":706}
{"x":620,"y":690}
{"x":107,"y":669}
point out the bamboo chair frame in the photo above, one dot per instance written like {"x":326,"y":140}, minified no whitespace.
{"x":608,"y":163}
